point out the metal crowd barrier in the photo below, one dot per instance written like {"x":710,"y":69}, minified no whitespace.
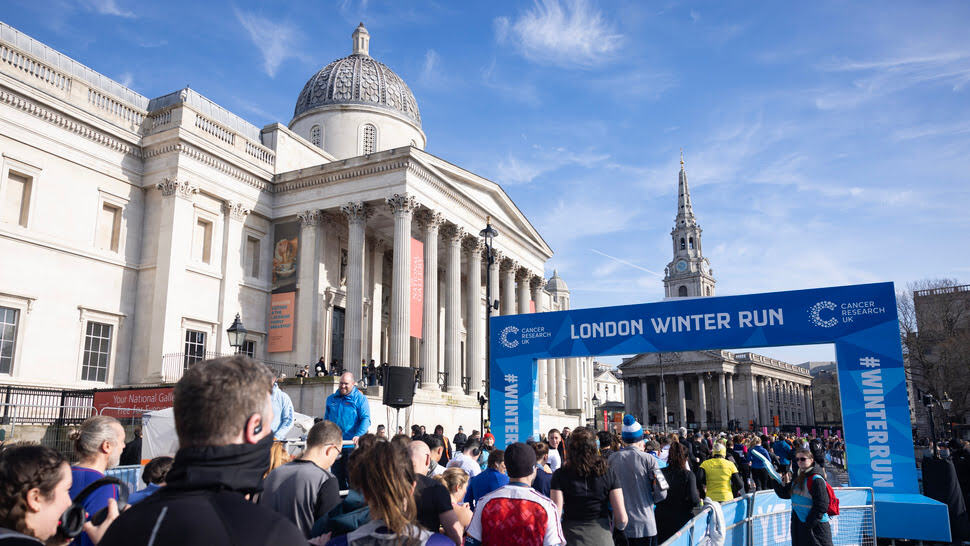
{"x":130,"y":474}
{"x":763,"y":518}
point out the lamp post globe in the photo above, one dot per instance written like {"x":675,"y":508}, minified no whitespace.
{"x":237,"y":333}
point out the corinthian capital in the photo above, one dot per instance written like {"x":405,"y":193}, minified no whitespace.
{"x":536,"y":283}
{"x":236,"y":210}
{"x":452,"y":233}
{"x":473,"y":244}
{"x":309,"y":218}
{"x":401,"y":203}
{"x":178,"y":188}
{"x":429,"y":219}
{"x":356,"y":211}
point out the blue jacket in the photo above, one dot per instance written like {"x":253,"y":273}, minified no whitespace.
{"x":756,"y":462}
{"x":282,"y":413}
{"x":483,"y":484}
{"x":782,"y":450}
{"x":351,"y":413}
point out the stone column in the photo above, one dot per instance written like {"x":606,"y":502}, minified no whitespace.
{"x":572,"y":392}
{"x":645,"y":405}
{"x":308,"y":297}
{"x":233,"y":268}
{"x":508,"y":287}
{"x":357,"y":213}
{"x":701,"y":401}
{"x":431,"y":222}
{"x":453,"y":235}
{"x":681,"y":401}
{"x":731,"y":413}
{"x":473,"y":316}
{"x":811,"y":406}
{"x":763,"y":400}
{"x":662,"y":398}
{"x":162,"y":332}
{"x":542,"y":375}
{"x":722,"y":400}
{"x":560,"y":383}
{"x":522,"y":279}
{"x":402,"y":207}
{"x":552,"y":383}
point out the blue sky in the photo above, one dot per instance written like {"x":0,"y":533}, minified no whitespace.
{"x":827,"y":143}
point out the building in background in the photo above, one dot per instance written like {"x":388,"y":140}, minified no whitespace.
{"x":825,"y":391}
{"x":135,"y":229}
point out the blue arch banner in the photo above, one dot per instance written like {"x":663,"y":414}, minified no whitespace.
{"x":860,"y":320}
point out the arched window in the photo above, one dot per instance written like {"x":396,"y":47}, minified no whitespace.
{"x":708,"y":290}
{"x":682,"y":292}
{"x":315,"y":136}
{"x":683,"y":245}
{"x":369,"y":136}
{"x":691,"y":242}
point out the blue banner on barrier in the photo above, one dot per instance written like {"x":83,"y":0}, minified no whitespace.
{"x":860,"y":320}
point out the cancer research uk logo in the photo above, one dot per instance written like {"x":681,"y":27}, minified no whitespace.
{"x":826,"y":314}
{"x":815,"y":313}
{"x":511,"y":336}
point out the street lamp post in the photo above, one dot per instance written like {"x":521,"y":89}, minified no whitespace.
{"x":596,"y":411}
{"x":930,"y":402}
{"x":237,"y":334}
{"x":946,"y":403}
{"x":488,"y":234}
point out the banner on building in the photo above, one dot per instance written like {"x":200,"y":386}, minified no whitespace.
{"x":281,"y":323}
{"x":117,"y":402}
{"x":417,"y":287}
{"x":860,"y":320}
{"x":286,"y":256}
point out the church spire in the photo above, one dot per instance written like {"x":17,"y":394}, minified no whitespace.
{"x":685,"y":211}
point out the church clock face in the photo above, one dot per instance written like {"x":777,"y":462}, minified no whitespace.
{"x":681,"y":266}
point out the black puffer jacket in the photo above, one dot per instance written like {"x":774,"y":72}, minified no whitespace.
{"x":204,"y":505}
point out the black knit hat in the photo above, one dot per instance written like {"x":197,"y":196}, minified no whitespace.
{"x":520,"y":460}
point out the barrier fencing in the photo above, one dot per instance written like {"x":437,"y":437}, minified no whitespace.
{"x":764,"y":518}
{"x":45,"y":424}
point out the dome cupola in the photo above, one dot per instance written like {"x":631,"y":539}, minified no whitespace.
{"x":349,"y":93}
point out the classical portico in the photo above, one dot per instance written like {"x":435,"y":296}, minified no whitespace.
{"x":716,"y":390}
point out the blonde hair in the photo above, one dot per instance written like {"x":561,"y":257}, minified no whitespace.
{"x":277,"y":457}
{"x":453,"y":479}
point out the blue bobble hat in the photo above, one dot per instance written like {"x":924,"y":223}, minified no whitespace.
{"x":632,"y":431}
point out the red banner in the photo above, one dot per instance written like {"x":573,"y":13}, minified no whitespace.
{"x":139,"y":399}
{"x":281,"y":308}
{"x":532,"y":306}
{"x":417,"y":287}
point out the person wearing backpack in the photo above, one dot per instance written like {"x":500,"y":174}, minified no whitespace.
{"x":811,"y":502}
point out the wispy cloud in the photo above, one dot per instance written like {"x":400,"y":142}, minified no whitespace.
{"x":637,"y":84}
{"x":107,"y":7}
{"x":514,"y":170}
{"x":932,"y":130}
{"x":276,"y":41}
{"x":626,"y":262}
{"x":523,"y":92}
{"x":569,"y":34}
{"x":883,"y":77}
{"x":126,"y":79}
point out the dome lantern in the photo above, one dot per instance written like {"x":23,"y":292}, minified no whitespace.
{"x":361,"y":41}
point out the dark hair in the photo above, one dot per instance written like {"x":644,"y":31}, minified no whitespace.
{"x":415,"y":430}
{"x":157,"y":470}
{"x":605,"y":438}
{"x":434,"y":441}
{"x":802,"y":476}
{"x":439,"y":427}
{"x":323,"y":433}
{"x":495,"y":458}
{"x":22,"y":468}
{"x":384,"y":476}
{"x":581,"y":455}
{"x":367,"y":440}
{"x":215,"y":398}
{"x":472,"y":444}
{"x":677,"y":455}
{"x":401,"y":440}
{"x":541,"y":449}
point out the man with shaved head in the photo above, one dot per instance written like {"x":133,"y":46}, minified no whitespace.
{"x":432,"y":500}
{"x":347,"y":408}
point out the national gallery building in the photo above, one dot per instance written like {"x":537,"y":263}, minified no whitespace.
{"x":710,"y":389}
{"x":133,"y":230}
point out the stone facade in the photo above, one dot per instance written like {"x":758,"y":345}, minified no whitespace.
{"x":136,"y":229}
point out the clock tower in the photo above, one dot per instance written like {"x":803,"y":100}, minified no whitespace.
{"x":689,"y":273}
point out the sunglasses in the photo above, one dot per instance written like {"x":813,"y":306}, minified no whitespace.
{"x":804,"y":459}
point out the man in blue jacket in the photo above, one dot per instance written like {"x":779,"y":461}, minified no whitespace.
{"x":348,"y":408}
{"x":783,"y":451}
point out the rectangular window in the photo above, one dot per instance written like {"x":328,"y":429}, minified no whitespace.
{"x":194,"y":347}
{"x":252,"y":257}
{"x":109,"y":227}
{"x":651,"y":392}
{"x":248,"y":348}
{"x":688,"y":391}
{"x":8,"y":338}
{"x":97,"y":352}
{"x":202,"y":241}
{"x":16,"y":199}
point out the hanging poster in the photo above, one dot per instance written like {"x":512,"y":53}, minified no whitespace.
{"x":282,"y":313}
{"x":417,"y":287}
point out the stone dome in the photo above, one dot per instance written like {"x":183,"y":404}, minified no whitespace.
{"x":358,"y":79}
{"x":556,"y":284}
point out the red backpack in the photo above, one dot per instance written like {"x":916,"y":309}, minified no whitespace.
{"x":833,"y":500}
